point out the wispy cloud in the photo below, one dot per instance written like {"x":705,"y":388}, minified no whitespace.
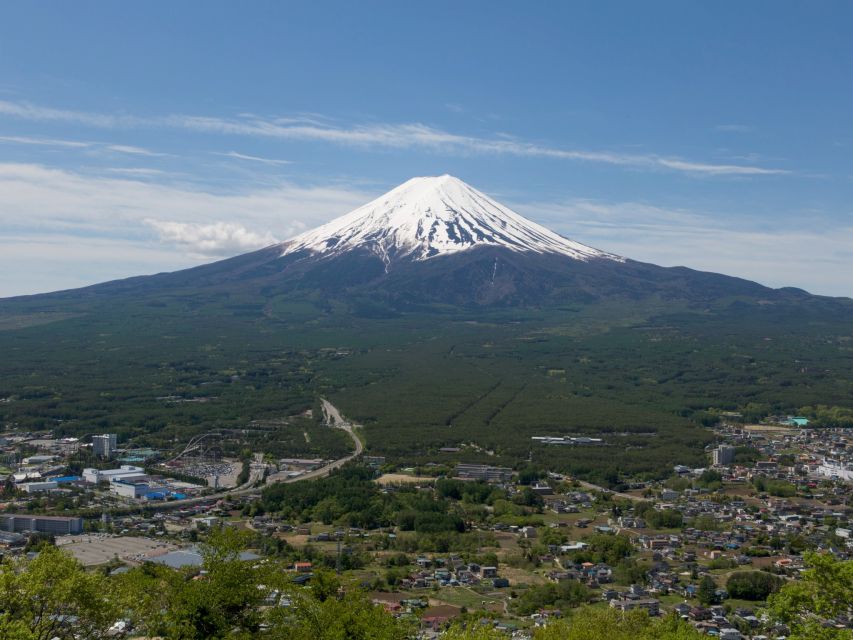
{"x":134,"y":151}
{"x":30,"y":111}
{"x":139,"y":172}
{"x":217,"y":239}
{"x":80,"y":144}
{"x":43,"y":142}
{"x":383,"y":135}
{"x":243,"y":156}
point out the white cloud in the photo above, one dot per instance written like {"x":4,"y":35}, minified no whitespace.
{"x":30,"y":111}
{"x":216,"y":239}
{"x":132,"y":150}
{"x":44,"y":142}
{"x":243,"y":156}
{"x":61,"y":229}
{"x":812,"y":258}
{"x":382,"y":135}
{"x":39,"y":197}
{"x":77,"y":144}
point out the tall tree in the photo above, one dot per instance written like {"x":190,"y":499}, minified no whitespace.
{"x":823,"y":592}
{"x":707,"y":591}
{"x":52,"y":596}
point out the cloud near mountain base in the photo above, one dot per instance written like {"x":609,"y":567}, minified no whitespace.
{"x":216,"y":240}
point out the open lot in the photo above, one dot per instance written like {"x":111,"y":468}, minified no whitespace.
{"x":402,"y":478}
{"x":92,"y":550}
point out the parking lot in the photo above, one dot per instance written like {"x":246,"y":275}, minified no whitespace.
{"x":94,"y":549}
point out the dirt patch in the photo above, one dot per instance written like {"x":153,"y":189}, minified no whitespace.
{"x":402,"y":478}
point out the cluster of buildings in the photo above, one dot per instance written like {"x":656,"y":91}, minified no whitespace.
{"x":129,"y":481}
{"x":483,"y":472}
{"x":37,"y":464}
{"x":820,"y":453}
{"x":558,"y":440}
{"x":451,"y":571}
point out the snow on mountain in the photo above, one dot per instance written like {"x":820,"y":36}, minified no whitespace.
{"x":434,"y":216}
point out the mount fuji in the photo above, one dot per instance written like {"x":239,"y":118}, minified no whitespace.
{"x":426,"y":218}
{"x":439,"y":241}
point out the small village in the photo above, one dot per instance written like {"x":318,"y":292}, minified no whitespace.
{"x":689,"y":544}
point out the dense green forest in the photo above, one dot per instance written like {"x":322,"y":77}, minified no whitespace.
{"x":644,"y":376}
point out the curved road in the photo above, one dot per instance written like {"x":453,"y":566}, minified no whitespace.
{"x":333,"y":419}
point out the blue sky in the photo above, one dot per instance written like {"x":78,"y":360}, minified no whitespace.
{"x":137,"y":138}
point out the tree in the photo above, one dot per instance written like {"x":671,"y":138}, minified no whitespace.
{"x":752,"y":585}
{"x":185,"y":605}
{"x":823,"y":592}
{"x":707,"y":591}
{"x":589,"y":623}
{"x":348,"y":617}
{"x":39,"y":598}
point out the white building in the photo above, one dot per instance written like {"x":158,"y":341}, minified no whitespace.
{"x":130,"y":488}
{"x":125,"y":472}
{"x":38,"y":487}
{"x":104,"y":445}
{"x":723,"y":455}
{"x":834,"y":469}
{"x":39,"y":459}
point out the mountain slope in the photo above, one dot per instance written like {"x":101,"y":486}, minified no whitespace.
{"x":428,"y":217}
{"x":438,"y":241}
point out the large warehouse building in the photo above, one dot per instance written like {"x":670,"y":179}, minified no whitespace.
{"x":57,"y":525}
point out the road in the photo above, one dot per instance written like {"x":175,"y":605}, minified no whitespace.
{"x":333,"y":418}
{"x":595,"y":487}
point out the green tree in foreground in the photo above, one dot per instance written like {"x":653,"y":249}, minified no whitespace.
{"x":824,"y":592}
{"x":589,"y":623}
{"x":53,"y":597}
{"x":238,"y":600}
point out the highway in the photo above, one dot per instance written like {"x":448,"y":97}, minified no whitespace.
{"x":333,"y":419}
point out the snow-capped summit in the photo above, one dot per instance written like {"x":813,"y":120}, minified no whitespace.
{"x":434,"y":216}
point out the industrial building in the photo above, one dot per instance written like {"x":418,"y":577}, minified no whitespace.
{"x":38,"y":487}
{"x":125,"y":472}
{"x":135,"y":488}
{"x":483,"y":472}
{"x":56,"y":525}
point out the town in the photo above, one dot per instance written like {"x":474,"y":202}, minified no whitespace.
{"x":512,"y":548}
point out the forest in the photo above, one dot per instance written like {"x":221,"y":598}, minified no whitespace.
{"x":646,"y":378}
